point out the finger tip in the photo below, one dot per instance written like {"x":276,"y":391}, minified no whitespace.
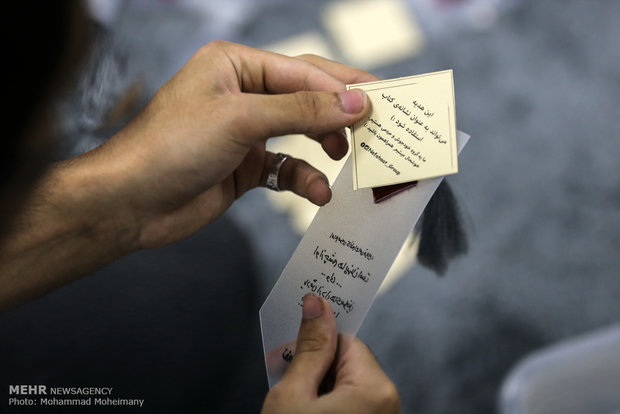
{"x":337,"y":156}
{"x":319,"y":192}
{"x":313,"y":306}
{"x":336,"y":145}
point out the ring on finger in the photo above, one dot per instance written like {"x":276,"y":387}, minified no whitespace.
{"x":272,"y":177}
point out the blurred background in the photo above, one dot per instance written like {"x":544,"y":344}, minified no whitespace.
{"x":537,"y":87}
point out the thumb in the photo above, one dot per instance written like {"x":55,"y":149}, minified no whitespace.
{"x":316,"y":346}
{"x":304,"y":112}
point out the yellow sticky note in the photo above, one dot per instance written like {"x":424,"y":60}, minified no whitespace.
{"x":410,"y":133}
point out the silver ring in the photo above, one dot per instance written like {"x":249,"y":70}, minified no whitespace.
{"x":272,"y":178}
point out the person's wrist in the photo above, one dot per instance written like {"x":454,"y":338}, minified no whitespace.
{"x":99,"y":203}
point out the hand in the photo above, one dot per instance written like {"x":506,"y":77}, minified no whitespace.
{"x":345,"y":366}
{"x":200,"y":143}
{"x":197,"y":147}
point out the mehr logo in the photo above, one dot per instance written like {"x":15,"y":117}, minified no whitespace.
{"x":27,"y":390}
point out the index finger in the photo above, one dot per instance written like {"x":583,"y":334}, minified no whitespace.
{"x":340,"y":71}
{"x":260,"y":71}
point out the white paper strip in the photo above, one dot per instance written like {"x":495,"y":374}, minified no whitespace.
{"x":343,"y":257}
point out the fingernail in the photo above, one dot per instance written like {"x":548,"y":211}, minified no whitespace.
{"x":313,"y":307}
{"x":325,"y":180}
{"x":353,"y":101}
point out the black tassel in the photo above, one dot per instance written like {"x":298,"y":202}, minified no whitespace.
{"x":442,"y":236}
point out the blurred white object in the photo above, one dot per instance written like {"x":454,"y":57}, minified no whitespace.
{"x":576,"y":376}
{"x":104,"y":11}
{"x":309,"y":42}
{"x":372,"y":33}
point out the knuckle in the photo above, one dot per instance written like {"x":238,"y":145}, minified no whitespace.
{"x":313,"y":176}
{"x":218,"y":44}
{"x":214,"y":46}
{"x":314,"y":343}
{"x":387,"y":395}
{"x":310,"y":104}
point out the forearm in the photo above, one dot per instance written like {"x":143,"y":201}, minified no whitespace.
{"x":198,"y":146}
{"x":72,"y":224}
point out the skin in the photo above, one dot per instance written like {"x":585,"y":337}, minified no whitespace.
{"x":330,"y":373}
{"x":197,"y":147}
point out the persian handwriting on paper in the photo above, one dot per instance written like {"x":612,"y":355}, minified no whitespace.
{"x":390,"y":137}
{"x":390,"y":140}
{"x":329,"y":283}
{"x":354,"y":271}
{"x":287,"y":355}
{"x":352,"y":245}
{"x":410,"y":133}
{"x":402,"y":108}
{"x":427,"y":113}
{"x":349,"y":227}
{"x":411,"y":130}
{"x":388,"y":97}
{"x":326,"y":291}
